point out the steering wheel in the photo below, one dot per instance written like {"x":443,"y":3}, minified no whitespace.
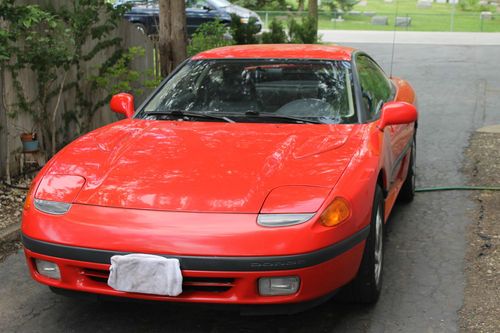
{"x":308,"y":107}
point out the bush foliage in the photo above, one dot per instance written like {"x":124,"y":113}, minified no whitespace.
{"x":276,"y":33}
{"x":304,"y":32}
{"x":208,"y":36}
{"x":262,"y":4}
{"x":244,"y":33}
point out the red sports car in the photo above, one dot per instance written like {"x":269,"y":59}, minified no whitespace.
{"x":254,"y":175}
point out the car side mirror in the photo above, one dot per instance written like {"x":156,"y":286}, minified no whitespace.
{"x":122,"y":103}
{"x":397,"y":113}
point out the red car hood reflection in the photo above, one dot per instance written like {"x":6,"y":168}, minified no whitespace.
{"x":203,"y":166}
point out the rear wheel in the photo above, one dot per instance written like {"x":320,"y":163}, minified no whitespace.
{"x":365,"y":288}
{"x":407,"y":192}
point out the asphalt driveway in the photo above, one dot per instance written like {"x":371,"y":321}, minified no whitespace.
{"x":458,"y":89}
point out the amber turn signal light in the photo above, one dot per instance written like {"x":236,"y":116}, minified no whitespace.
{"x":29,"y":197}
{"x":338,"y":211}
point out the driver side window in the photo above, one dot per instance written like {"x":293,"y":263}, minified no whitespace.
{"x":196,"y":4}
{"x":375,"y":86}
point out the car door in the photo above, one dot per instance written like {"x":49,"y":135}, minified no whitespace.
{"x":377,"y":89}
{"x":197,"y":13}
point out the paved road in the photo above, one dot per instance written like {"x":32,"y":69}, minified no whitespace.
{"x":459,"y":91}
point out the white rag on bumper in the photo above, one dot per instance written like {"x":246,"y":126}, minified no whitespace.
{"x":145,"y":273}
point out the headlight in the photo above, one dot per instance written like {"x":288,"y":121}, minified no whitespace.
{"x":55,"y":193}
{"x":282,"y":220}
{"x":244,"y":20}
{"x":52,"y":207}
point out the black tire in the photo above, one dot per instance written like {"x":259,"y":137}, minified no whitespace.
{"x":141,"y":28}
{"x":366,"y":286}
{"x":407,"y":192}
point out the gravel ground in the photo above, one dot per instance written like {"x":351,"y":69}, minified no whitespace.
{"x":481,"y":309}
{"x":11,"y":204}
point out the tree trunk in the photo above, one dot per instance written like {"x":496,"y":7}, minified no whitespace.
{"x":313,"y":11}
{"x":3,"y":98}
{"x":172,"y":35}
{"x":54,"y":115}
{"x":301,"y":5}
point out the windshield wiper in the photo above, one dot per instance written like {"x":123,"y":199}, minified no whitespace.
{"x":180,"y":113}
{"x":278,"y":116}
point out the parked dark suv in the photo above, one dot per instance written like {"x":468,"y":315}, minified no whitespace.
{"x":144,"y":14}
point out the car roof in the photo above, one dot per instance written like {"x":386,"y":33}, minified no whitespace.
{"x":280,"y":51}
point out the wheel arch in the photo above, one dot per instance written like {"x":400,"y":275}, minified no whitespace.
{"x":382,"y":182}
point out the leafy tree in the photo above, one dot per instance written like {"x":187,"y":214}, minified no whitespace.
{"x":312,"y":11}
{"x":46,"y":50}
{"x":90,"y":22}
{"x":120,"y":78}
{"x":208,"y":36}
{"x":344,"y":5}
{"x":244,"y":33}
{"x":276,"y":34}
{"x":50,"y":42}
{"x":15,"y":21}
{"x":262,"y":4}
{"x":305,"y":32}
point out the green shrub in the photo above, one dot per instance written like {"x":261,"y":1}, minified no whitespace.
{"x":244,"y":33}
{"x":304,"y":32}
{"x":276,"y":34}
{"x":262,"y":4}
{"x":208,"y":36}
{"x":473,"y":6}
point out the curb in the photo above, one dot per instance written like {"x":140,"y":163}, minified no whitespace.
{"x":11,"y":233}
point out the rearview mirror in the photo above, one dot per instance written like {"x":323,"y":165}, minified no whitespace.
{"x":122,"y":103}
{"x":396,"y":113}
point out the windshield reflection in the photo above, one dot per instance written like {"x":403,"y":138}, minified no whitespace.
{"x":267,"y":90}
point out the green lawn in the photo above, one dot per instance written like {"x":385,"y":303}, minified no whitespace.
{"x":437,"y":18}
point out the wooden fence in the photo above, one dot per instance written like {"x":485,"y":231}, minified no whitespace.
{"x":10,"y":129}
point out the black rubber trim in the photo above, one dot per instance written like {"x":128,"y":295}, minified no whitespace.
{"x":271,"y":263}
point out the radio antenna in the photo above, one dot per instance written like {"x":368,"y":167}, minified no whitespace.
{"x":394,"y":37}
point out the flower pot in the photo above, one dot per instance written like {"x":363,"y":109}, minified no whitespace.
{"x":30,"y":143}
{"x":28,"y":137}
{"x":30,"y":146}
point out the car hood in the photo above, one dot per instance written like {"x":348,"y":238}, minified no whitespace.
{"x":240,"y":11}
{"x":203,"y":166}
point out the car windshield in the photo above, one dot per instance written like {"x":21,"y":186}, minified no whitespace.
{"x":273,"y":90}
{"x":220,"y":3}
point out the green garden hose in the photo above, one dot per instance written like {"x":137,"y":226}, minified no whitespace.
{"x":458,"y":188}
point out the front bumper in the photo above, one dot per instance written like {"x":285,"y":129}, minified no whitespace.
{"x":210,"y":279}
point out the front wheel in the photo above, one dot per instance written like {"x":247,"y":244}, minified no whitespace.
{"x":365,"y":288}
{"x":407,"y":192}
{"x":141,"y":28}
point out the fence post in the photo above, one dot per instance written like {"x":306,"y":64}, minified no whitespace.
{"x":452,"y":21}
{"x":482,"y":22}
{"x":267,"y":18}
